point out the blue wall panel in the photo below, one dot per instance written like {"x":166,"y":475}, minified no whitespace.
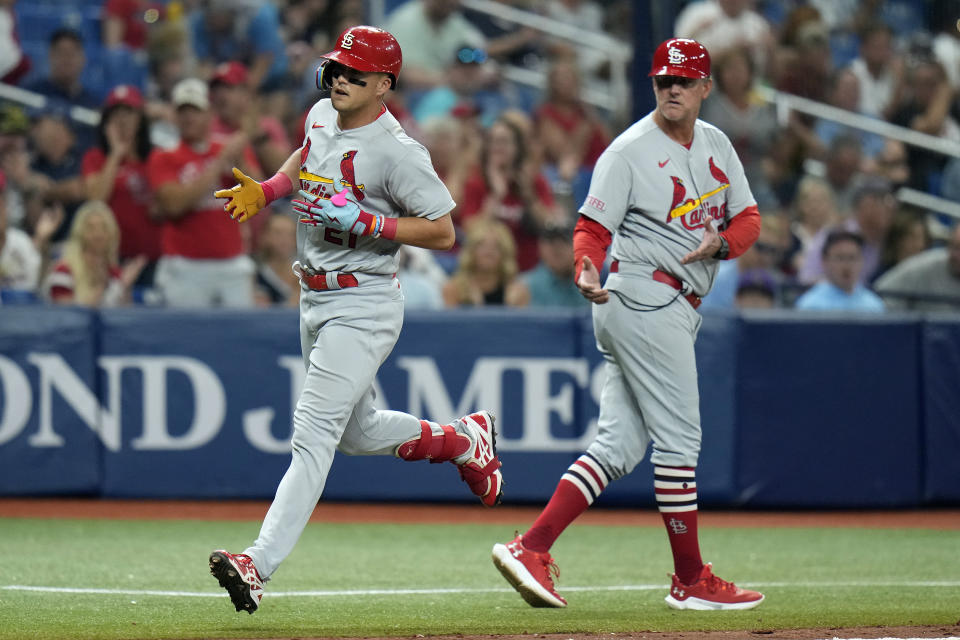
{"x":212,"y":378}
{"x":524,"y":366}
{"x":797,"y":411}
{"x":49,"y":415}
{"x":941,"y":400}
{"x":829,"y":412}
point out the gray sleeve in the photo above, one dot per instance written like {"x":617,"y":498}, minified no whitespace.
{"x":416,"y":187}
{"x":608,"y":200}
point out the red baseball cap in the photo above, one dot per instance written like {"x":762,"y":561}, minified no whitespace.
{"x":681,"y":57}
{"x":124,"y":94}
{"x":231,"y":73}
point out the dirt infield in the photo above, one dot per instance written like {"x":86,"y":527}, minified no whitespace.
{"x":454,"y":514}
{"x":246,"y":510}
{"x":780,"y":634}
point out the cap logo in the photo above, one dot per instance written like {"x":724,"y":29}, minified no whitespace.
{"x":676,"y":56}
{"x":347,"y":41}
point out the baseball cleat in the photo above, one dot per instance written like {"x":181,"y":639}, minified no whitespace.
{"x":479,"y":466}
{"x":710,"y":593}
{"x":530,"y":573}
{"x":239,"y":577}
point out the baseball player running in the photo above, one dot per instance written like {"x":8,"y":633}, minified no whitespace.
{"x":365,"y":188}
{"x":660,"y":191}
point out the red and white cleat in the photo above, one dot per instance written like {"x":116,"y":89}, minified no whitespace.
{"x":239,"y":577}
{"x":710,"y":593}
{"x":530,"y":572}
{"x":479,"y":466}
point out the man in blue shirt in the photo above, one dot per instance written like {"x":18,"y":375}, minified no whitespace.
{"x":551,"y":282}
{"x":244,"y":30}
{"x":67,"y":61}
{"x":840,"y":290}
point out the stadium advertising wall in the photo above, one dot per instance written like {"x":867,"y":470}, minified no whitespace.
{"x":147,"y":403}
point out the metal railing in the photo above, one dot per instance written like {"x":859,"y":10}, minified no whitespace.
{"x":612,"y":96}
{"x":784,"y":103}
{"x":38,"y":101}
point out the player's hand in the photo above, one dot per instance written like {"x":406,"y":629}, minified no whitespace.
{"x":336,"y":213}
{"x":244,"y":200}
{"x":709,"y":245}
{"x":589,"y":283}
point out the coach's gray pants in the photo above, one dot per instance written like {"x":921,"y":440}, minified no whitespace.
{"x":650,"y":392}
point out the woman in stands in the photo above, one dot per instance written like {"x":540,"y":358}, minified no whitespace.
{"x":487,"y":271}
{"x":115,"y":172}
{"x":88,"y":274}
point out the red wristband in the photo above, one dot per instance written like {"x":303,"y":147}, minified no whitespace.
{"x":389,"y":230}
{"x":278,"y":186}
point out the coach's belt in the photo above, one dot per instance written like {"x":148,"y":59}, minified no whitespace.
{"x":666,"y":278}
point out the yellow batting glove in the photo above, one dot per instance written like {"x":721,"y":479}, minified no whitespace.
{"x":244,"y":200}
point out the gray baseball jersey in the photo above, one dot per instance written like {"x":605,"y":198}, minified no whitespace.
{"x":386,"y":171}
{"x":654,"y":194}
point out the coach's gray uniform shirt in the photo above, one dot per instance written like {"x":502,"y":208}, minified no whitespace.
{"x":653,"y":194}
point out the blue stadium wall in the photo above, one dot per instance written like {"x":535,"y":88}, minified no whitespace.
{"x":798,"y":412}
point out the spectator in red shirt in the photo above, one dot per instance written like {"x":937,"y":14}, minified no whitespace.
{"x":573,"y":137}
{"x":508,"y":188}
{"x":115,"y":171}
{"x":203,"y":261}
{"x":235,"y":109}
{"x":14,"y":64}
{"x":125,"y":22}
{"x":88,"y":273}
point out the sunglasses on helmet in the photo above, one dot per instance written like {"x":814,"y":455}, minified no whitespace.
{"x":333,"y":70}
{"x":665,"y":82}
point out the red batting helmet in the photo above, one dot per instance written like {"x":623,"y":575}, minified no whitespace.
{"x":366,"y":49}
{"x":681,"y":57}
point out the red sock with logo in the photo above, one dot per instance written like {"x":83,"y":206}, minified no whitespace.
{"x":578,"y":488}
{"x":676,"y":492}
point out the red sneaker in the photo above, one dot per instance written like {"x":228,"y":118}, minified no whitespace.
{"x":480,"y":466}
{"x":529,"y":572}
{"x":239,"y":577}
{"x":710,"y":593}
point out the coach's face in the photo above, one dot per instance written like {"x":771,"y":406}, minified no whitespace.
{"x":679,"y":99}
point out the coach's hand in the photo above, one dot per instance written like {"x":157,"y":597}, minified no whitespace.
{"x":708,"y":246}
{"x":337,"y":213}
{"x":589,"y":283}
{"x":244,"y":200}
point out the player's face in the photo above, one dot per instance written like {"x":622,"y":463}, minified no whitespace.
{"x":352,"y":90}
{"x":679,"y":99}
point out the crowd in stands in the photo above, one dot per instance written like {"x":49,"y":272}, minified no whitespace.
{"x":97,"y":210}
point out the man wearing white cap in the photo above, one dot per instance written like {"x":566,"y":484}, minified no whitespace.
{"x":203,"y":262}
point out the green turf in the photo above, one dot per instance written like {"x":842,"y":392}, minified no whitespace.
{"x":812,"y":577}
